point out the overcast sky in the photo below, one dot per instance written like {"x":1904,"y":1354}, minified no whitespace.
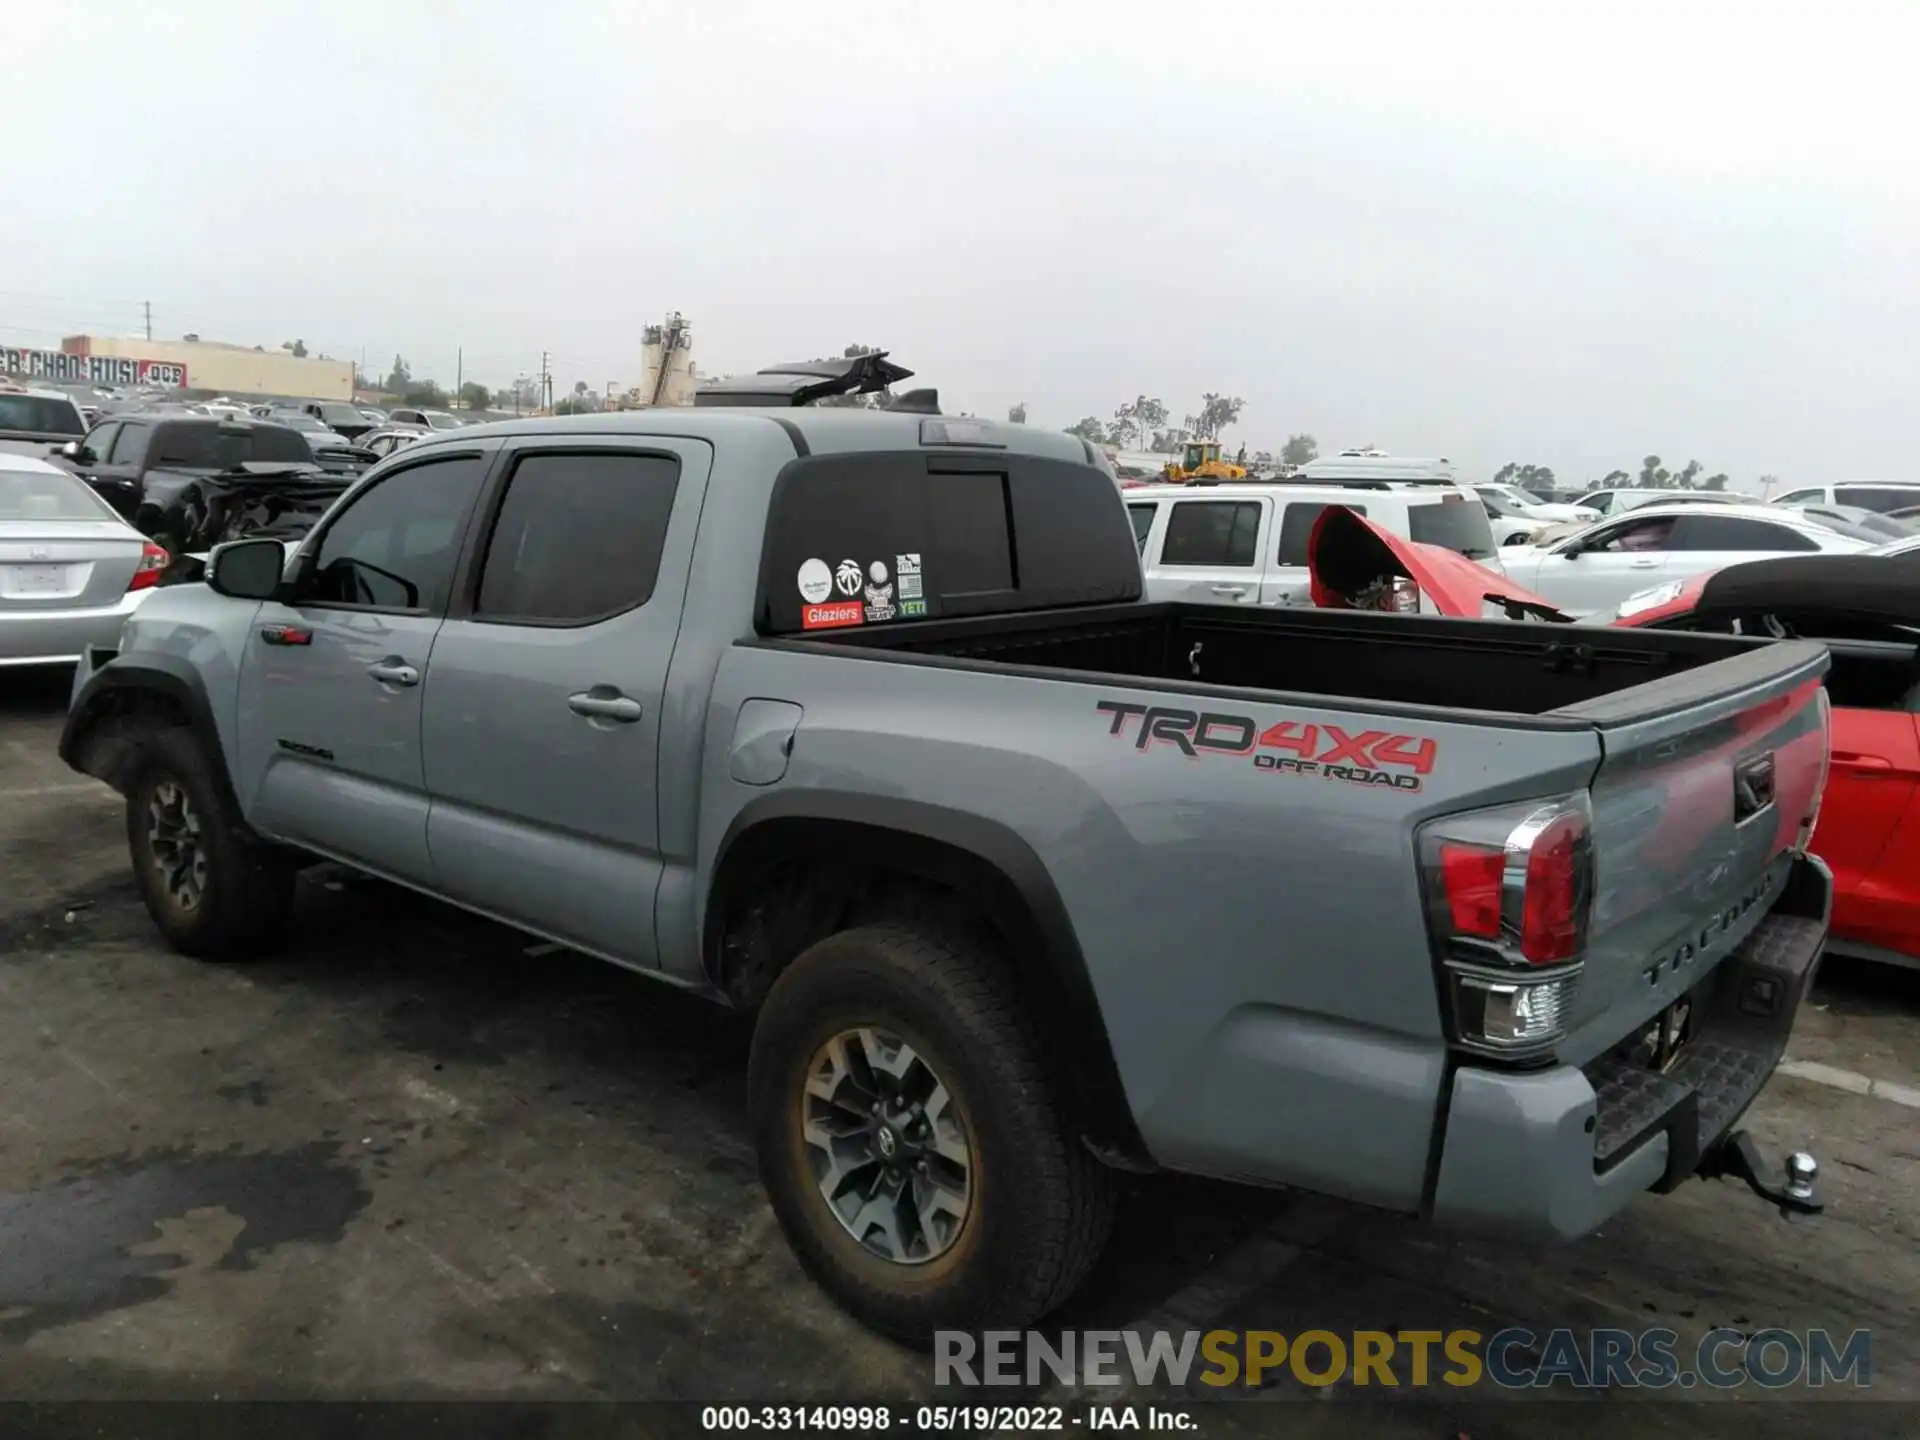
{"x":1491,"y":232}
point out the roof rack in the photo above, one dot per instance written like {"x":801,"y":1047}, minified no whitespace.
{"x":802,"y":382}
{"x":1336,"y":483}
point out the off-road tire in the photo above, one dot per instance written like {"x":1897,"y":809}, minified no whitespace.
{"x":247,"y":897}
{"x":1042,"y":1205}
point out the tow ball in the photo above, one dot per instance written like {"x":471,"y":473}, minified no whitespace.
{"x":1791,"y":1188}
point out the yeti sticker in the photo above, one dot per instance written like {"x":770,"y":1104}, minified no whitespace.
{"x":906,"y":569}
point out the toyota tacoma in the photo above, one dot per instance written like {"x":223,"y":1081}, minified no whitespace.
{"x":858,"y":720}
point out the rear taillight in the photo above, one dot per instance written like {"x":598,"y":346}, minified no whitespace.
{"x":1508,"y":895}
{"x":1398,"y":595}
{"x":1402,"y":597}
{"x":153,"y":564}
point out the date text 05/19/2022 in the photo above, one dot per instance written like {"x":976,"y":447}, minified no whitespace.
{"x":942,"y":1419}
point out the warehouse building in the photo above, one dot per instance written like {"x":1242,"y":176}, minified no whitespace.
{"x":237,"y":370}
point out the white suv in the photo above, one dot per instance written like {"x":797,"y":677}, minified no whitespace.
{"x":1880,"y":496}
{"x":1240,"y":543}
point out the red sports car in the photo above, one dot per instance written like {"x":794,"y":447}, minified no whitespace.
{"x":1865,"y":607}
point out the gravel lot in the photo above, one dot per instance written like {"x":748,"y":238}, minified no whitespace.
{"x":419,"y":1156}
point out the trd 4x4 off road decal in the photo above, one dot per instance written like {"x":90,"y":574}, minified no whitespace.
{"x":1291,"y":747}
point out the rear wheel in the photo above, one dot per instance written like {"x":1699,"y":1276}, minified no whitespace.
{"x":910,"y":1139}
{"x":212,"y":888}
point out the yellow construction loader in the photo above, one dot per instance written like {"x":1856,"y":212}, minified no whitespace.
{"x":1201,"y":461}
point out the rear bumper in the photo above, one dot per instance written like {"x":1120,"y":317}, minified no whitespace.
{"x":1553,"y":1154}
{"x":61,"y":637}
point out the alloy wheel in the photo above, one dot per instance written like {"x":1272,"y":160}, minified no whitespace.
{"x":888,"y":1146}
{"x":173,"y":838}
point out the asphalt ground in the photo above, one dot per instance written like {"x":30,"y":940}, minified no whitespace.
{"x":420,"y":1157}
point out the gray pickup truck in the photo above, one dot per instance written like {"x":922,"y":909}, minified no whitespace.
{"x":858,"y":720}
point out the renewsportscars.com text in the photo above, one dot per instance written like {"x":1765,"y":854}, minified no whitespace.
{"x":1513,"y":1358}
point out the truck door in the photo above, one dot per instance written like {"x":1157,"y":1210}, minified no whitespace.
{"x":329,"y":700}
{"x":544,"y":699}
{"x":1210,"y":552}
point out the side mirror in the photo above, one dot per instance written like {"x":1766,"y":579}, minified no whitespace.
{"x":73,"y":450}
{"x":246,"y":569}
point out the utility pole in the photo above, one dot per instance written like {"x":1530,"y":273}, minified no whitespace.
{"x":546,"y":385}
{"x":147,"y":305}
{"x":459,"y":372}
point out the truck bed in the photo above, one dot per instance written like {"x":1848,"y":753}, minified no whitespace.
{"x":1464,"y":666}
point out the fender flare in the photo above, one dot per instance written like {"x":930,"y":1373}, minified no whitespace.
{"x":104,"y":694}
{"x":992,"y":866}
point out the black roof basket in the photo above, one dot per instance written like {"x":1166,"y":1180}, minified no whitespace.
{"x":804,"y":381}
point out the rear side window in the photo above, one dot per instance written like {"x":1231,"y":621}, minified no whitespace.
{"x":1875,"y":497}
{"x":1212,"y":532}
{"x":131,"y":447}
{"x":578,"y":538}
{"x":1731,"y":532}
{"x":1453,"y":524}
{"x":1142,"y":517}
{"x":1296,"y":528}
{"x":1803,"y":497}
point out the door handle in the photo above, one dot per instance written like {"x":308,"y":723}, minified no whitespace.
{"x":394,"y":671}
{"x":1642,"y":564}
{"x":623,"y":708}
{"x":1228,"y":589}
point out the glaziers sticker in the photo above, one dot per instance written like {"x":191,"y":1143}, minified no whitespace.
{"x":831,"y":616}
{"x":1291,"y":747}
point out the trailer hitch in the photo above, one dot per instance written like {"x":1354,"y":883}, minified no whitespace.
{"x":1791,"y":1189}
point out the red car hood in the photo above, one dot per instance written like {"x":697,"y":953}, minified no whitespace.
{"x":1347,"y":551}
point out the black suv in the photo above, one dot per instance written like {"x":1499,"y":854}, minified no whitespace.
{"x":189,"y":480}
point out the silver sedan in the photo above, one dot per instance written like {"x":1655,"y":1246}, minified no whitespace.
{"x":71,"y":571}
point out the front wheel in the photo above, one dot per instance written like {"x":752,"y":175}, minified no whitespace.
{"x":910,"y":1140}
{"x":213,"y":889}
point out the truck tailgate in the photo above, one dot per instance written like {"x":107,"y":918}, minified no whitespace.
{"x":1704,"y":792}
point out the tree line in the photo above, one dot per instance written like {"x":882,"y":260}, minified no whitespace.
{"x":1655,"y":476}
{"x":423,"y":394}
{"x":1145,"y":423}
